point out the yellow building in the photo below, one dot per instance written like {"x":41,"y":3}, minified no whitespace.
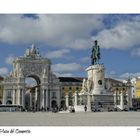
{"x":138,"y":88}
{"x":69,"y":87}
{"x":72,"y":85}
{"x":1,"y":90}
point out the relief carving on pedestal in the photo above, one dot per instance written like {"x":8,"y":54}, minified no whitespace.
{"x":87,"y":85}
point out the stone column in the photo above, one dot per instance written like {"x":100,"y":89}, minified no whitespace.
{"x":129,"y":97}
{"x":4,"y":97}
{"x":88,"y":103}
{"x":35,"y":94}
{"x":115,"y":99}
{"x":47,"y":103}
{"x":13,"y":97}
{"x":67,"y":101}
{"x":18,"y":97}
{"x":30,"y":100}
{"x":121,"y":101}
{"x":58,"y":98}
{"x":128,"y":100}
{"x":42,"y":98}
{"x":35,"y":100}
{"x":75,"y":103}
{"x":23,"y":98}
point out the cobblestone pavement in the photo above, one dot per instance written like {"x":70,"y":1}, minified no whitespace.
{"x":70,"y":119}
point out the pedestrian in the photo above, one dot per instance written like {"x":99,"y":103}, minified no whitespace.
{"x":85,"y":108}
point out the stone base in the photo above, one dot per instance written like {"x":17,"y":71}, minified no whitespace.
{"x":104,"y":98}
{"x":104,"y":101}
{"x":79,"y":108}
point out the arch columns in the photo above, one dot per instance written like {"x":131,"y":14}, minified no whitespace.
{"x":42,"y":98}
{"x":18,"y":97}
{"x":67,"y":101}
{"x":22,"y":94}
{"x":115,"y":99}
{"x":121,"y":100}
{"x":36,"y":101}
{"x":4,"y":97}
{"x":30,"y":100}
{"x":88,"y":102}
{"x":76,"y":99}
{"x":13,"y":97}
{"x":46,"y":98}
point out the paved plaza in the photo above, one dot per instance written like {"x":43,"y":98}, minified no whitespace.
{"x":70,"y":119}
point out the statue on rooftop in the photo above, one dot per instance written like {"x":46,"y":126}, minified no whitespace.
{"x":32,"y":52}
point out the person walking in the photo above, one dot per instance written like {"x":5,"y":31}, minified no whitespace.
{"x":85,"y":108}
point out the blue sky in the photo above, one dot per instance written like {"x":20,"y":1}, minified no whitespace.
{"x":67,"y":40}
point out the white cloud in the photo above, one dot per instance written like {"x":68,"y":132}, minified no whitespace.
{"x":9,"y":59}
{"x":127,"y":75}
{"x":66,"y":68}
{"x":3,"y":71}
{"x":81,"y":44}
{"x":70,"y":31}
{"x":62,"y":30}
{"x":126,"y":34}
{"x":57,"y":53}
{"x":85,"y":59}
{"x":112,"y":72}
{"x":64,"y":74}
{"x":136,"y":52}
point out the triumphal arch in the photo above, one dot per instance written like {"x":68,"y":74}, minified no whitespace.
{"x":46,"y":93}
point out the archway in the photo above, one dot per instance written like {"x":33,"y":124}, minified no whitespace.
{"x":63,"y":105}
{"x":32,"y":65}
{"x":32,"y":92}
{"x":53,"y":104}
{"x":9,"y":102}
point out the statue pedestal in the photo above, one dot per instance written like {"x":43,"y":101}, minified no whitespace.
{"x":96,"y":88}
{"x":96,"y":79}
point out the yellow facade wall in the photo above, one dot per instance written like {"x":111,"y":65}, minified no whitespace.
{"x":72,"y":89}
{"x":137,"y":88}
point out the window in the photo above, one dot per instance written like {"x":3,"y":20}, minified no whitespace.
{"x":54,"y":95}
{"x":77,"y":88}
{"x":9,"y":95}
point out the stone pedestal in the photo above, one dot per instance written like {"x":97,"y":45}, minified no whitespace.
{"x":96,"y":87}
{"x":95,"y":82}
